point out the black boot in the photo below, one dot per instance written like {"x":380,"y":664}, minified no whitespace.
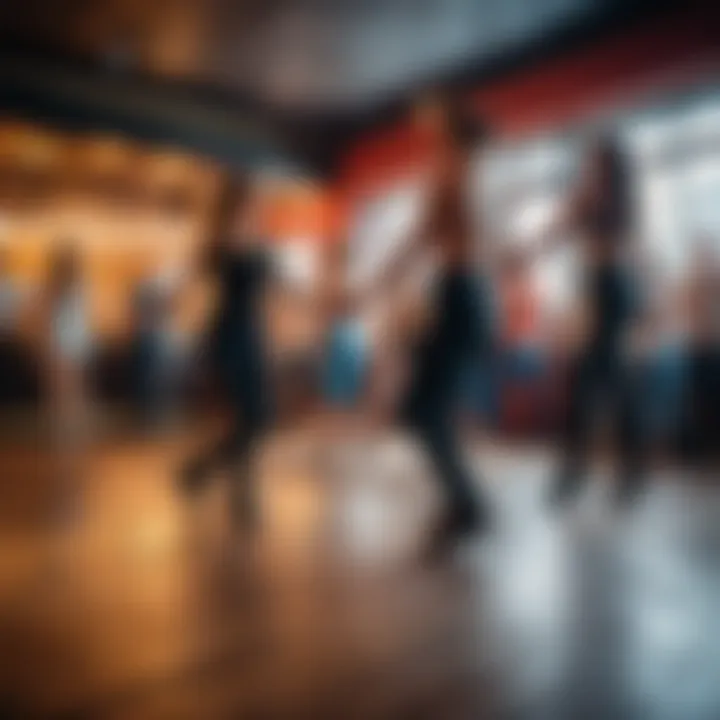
{"x":193,"y":476}
{"x":629,"y":489}
{"x":565,"y":487}
{"x":456,"y":525}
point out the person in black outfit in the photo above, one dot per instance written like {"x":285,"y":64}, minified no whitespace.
{"x":236,"y":346}
{"x":600,"y":216}
{"x":700,"y":436}
{"x":461,"y":325}
{"x":149,"y":369}
{"x":460,"y":332}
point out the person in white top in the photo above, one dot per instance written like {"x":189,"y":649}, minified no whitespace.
{"x":11,"y":302}
{"x":9,"y":295}
{"x":69,"y":331}
{"x":68,"y":344}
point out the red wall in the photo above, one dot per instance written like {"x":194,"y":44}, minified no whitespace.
{"x":665,"y":53}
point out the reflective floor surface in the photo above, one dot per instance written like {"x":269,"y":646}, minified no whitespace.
{"x":139,"y":604}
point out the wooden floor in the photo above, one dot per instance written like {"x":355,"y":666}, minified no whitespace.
{"x":149,"y":607}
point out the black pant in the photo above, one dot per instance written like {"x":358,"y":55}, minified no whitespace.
{"x":438,"y":438}
{"x":700,"y":440}
{"x":604,"y":377}
{"x":240,"y":369}
{"x":149,"y":376}
{"x":463,"y":335}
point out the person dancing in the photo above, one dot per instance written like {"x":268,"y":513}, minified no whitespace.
{"x":236,"y":346}
{"x":460,"y":310}
{"x":600,"y":216}
{"x":67,"y":340}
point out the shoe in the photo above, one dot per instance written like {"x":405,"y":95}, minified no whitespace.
{"x":244,"y":512}
{"x":564,"y":489}
{"x":628,"y":492}
{"x":453,"y":528}
{"x":191,"y":478}
{"x":67,"y":510}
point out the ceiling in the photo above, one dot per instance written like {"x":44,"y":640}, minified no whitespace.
{"x":294,"y":53}
{"x":310,"y":69}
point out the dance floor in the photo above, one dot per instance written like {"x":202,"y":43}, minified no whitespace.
{"x":142,"y":605}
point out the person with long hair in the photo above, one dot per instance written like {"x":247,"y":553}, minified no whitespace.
{"x":600,"y":216}
{"x":700,"y":438}
{"x":238,"y":261}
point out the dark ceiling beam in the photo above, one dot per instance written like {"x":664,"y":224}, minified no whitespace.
{"x":75,"y":96}
{"x":607,"y":22}
{"x":240,"y":130}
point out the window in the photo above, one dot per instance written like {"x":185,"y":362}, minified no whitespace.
{"x":676,"y":162}
{"x":524,"y":188}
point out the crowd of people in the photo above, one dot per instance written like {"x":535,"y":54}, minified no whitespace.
{"x":477,"y":345}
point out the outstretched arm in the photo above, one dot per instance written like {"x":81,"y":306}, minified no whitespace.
{"x":414,"y":244}
{"x":556,"y":231}
{"x":394,"y":270}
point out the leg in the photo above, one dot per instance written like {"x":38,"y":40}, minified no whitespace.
{"x":240,"y":383}
{"x":437,"y":435}
{"x":630,"y":428}
{"x":197,"y":469}
{"x":68,"y":432}
{"x":699,"y":436}
{"x":243,"y":455}
{"x":578,"y":424}
{"x":248,"y":432}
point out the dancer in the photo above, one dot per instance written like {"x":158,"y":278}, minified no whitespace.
{"x":12,"y":305}
{"x":600,"y":215}
{"x":459,"y":326}
{"x":236,"y":344}
{"x":700,"y":441}
{"x":67,"y":342}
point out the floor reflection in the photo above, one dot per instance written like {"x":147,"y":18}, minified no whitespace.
{"x":152,"y":607}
